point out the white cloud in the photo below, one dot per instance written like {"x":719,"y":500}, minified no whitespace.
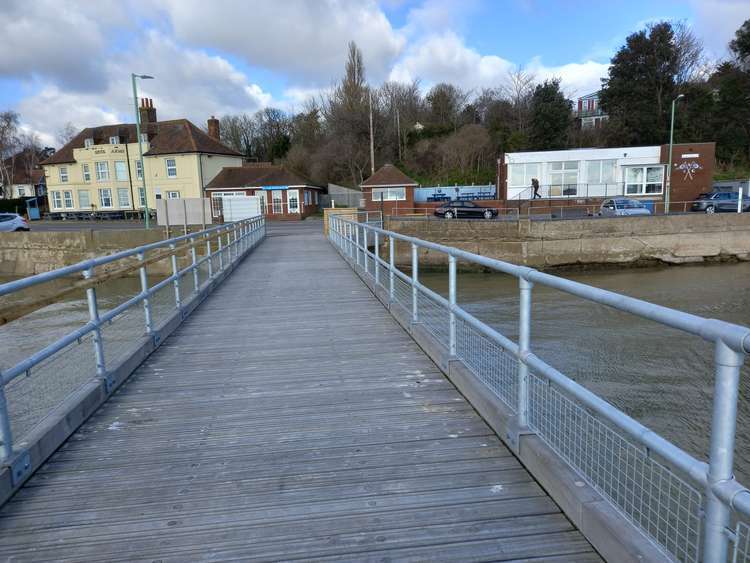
{"x":716,"y":22}
{"x":306,"y":38}
{"x":446,"y":58}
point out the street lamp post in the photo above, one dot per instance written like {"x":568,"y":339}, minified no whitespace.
{"x":669,"y":162}
{"x":140,"y":143}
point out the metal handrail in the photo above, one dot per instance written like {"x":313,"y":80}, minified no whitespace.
{"x":722,"y":493}
{"x":240,"y":236}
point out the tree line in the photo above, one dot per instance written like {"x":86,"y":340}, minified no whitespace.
{"x":452,"y":135}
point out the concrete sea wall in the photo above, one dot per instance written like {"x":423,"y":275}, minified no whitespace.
{"x":28,"y":253}
{"x":674,"y":239}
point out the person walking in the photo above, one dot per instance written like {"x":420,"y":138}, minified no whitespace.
{"x":535,"y":185}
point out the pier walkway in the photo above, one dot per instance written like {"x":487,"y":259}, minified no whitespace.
{"x":289,"y":417}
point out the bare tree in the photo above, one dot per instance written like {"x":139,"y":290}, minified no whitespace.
{"x":692,"y":63}
{"x":66,"y":133}
{"x":30,"y":152}
{"x":8,"y":148}
{"x":518,"y":90}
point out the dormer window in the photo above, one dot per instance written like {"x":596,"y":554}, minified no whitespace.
{"x":89,"y":142}
{"x":114,"y":140}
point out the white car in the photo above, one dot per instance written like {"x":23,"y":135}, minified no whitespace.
{"x":623,"y":207}
{"x":12,"y":222}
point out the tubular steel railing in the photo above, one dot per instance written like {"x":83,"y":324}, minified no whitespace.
{"x":691,"y":510}
{"x":34,"y":387}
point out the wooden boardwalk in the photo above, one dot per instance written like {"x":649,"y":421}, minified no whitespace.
{"x":289,"y":417}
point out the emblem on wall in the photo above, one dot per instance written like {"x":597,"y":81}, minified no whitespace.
{"x":689,"y":169}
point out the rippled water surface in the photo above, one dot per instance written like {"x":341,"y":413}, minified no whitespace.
{"x":659,"y":376}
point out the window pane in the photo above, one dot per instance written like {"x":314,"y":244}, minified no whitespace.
{"x":138,"y":170}
{"x":516,"y":175}
{"x":654,"y":174}
{"x":634,"y":175}
{"x":633,"y":188}
{"x":142,"y":196}
{"x":105,"y":197}
{"x":608,"y":171}
{"x":593,"y":168}
{"x":532,"y":171}
{"x":398,"y":193}
{"x":123,"y":197}
{"x":555,"y":166}
{"x":121,"y":171}
{"x":68,"y":197}
{"x":84,"y":200}
{"x":571,"y":165}
{"x":570,"y":177}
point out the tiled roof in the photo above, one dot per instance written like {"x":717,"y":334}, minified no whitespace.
{"x":252,"y":176}
{"x":17,"y":167}
{"x":388,"y":175}
{"x":165,"y":137}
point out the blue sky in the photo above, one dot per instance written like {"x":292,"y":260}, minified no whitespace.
{"x":227,"y":56}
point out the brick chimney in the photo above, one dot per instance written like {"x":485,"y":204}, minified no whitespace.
{"x":213,"y":128}
{"x":147,"y":111}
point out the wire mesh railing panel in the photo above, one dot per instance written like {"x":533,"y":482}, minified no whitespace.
{"x":162,"y":305}
{"x":434,"y":317}
{"x":741,"y":544}
{"x":402,"y":293}
{"x":122,"y":335}
{"x":32,"y":397}
{"x":648,"y":493}
{"x":490,"y":363}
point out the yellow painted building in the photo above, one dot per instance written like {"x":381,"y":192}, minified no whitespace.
{"x":99,"y":169}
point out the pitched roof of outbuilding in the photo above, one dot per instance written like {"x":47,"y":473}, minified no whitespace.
{"x":255,"y":176}
{"x":388,"y":175}
{"x":165,"y":137}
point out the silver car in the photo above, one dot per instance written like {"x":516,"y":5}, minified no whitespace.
{"x":622,"y":207}
{"x":12,"y":222}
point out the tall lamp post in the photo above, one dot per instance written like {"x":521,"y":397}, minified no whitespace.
{"x":669,"y":162}
{"x":140,"y":142}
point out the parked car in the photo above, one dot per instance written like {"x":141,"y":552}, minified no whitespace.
{"x":464,"y":210}
{"x":716,"y":202}
{"x":623,"y":207}
{"x":12,"y":222}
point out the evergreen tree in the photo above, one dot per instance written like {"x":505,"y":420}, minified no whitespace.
{"x":551,"y":116}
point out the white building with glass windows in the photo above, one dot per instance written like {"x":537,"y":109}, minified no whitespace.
{"x":100,"y":168}
{"x":582,"y":173}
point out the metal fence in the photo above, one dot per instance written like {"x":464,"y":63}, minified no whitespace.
{"x":35,"y":387}
{"x":689,"y":509}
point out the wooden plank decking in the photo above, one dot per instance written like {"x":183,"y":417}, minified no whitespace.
{"x":289,"y":418}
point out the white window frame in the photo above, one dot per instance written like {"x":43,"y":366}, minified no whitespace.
{"x":123,"y":203}
{"x":68,"y":199}
{"x":88,"y":142}
{"x":641,"y":188}
{"x":171,"y":170}
{"x":389,"y":194}
{"x":144,"y":137}
{"x":57,"y":202}
{"x":102,"y":198}
{"x":122,"y":168}
{"x":64,"y":177}
{"x":528,"y":173}
{"x":86,"y":172}
{"x":557,"y":178}
{"x":102,"y":172}
{"x":138,"y":170}
{"x":173,"y":194}
{"x":21,"y":191}
{"x":87,"y":199}
{"x":142,"y":196}
{"x":114,"y":140}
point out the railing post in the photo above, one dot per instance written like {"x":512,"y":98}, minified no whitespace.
{"x":6,"y":434}
{"x":452,"y":302}
{"x":101,"y":370}
{"x":144,"y":290}
{"x":524,"y":344}
{"x":377,"y":258}
{"x":210,"y":257}
{"x":727,"y":364}
{"x":194,"y":261}
{"x":365,"y":253}
{"x":391,"y":267}
{"x":176,"y":282}
{"x":220,"y":252}
{"x":356,"y":241}
{"x":414,"y":282}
